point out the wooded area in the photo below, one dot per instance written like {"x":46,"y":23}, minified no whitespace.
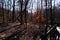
{"x":17,"y":23}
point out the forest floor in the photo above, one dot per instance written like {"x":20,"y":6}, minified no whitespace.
{"x":15,"y":31}
{"x":27,"y":30}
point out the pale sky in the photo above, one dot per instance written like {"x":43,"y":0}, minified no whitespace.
{"x":32,"y":3}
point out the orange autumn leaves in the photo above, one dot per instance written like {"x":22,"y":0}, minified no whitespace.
{"x":38,"y":17}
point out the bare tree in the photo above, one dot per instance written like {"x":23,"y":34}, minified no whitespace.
{"x":13,"y":14}
{"x":22,"y":3}
{"x":2,"y":9}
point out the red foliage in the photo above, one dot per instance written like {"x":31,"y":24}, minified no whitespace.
{"x":38,"y":17}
